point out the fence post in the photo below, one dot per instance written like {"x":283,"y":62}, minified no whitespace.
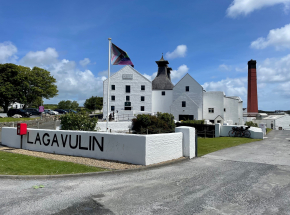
{"x":37,"y":125}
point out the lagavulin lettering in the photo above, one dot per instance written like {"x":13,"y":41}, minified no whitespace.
{"x":77,"y":144}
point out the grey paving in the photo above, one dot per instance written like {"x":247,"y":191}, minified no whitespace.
{"x":275,"y":149}
{"x":199,"y":186}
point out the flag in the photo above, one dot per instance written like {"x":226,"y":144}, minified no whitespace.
{"x":119,"y":57}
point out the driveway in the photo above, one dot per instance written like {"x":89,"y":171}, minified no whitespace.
{"x":275,"y":149}
{"x":206,"y":185}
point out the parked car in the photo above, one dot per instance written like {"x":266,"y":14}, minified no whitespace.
{"x":71,"y":111}
{"x":23,"y":113}
{"x":51,"y":112}
{"x":61,"y":111}
{"x":33,"y":111}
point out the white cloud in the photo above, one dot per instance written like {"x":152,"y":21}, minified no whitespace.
{"x":245,"y":69}
{"x":245,"y":7}
{"x":180,"y":51}
{"x":72,"y":83}
{"x":7,"y":52}
{"x":224,"y":67}
{"x":280,"y":38}
{"x":103,"y":73}
{"x":40,"y":58}
{"x":230,"y":86}
{"x":85,"y":62}
{"x":176,"y":75}
{"x":150,"y":77}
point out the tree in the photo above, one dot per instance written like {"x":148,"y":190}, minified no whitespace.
{"x":64,"y":104}
{"x":37,"y":83}
{"x":74,"y":105}
{"x":10,"y":85}
{"x":94,"y":103}
{"x":68,"y":105}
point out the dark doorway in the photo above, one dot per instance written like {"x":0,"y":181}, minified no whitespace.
{"x":186,"y":117}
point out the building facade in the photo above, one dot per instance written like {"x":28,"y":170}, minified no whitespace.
{"x":131,"y":93}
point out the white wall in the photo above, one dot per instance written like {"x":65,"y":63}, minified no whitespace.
{"x":195,"y":92}
{"x":233,"y":111}
{"x":191,"y":108}
{"x":161,"y":103}
{"x":188,"y":141}
{"x":256,"y":133}
{"x":135,"y":92}
{"x":213,"y":99}
{"x":115,"y":126}
{"x":130,"y":148}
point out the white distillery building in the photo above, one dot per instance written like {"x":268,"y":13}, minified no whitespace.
{"x":131,"y":93}
{"x":277,"y":121}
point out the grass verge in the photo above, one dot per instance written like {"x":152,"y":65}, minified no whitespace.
{"x":268,"y":130}
{"x":17,"y":164}
{"x":10,"y":119}
{"x":208,"y":145}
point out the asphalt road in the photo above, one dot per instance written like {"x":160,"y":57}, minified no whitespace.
{"x":214,"y":184}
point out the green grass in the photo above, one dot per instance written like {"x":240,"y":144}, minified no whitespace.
{"x":268,"y":130}
{"x":209,"y":145}
{"x":10,"y":119}
{"x":17,"y":164}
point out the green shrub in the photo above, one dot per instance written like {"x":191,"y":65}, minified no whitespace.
{"x":252,"y":124}
{"x":161,"y":123}
{"x":80,"y":121}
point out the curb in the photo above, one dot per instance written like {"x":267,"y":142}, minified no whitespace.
{"x":184,"y":159}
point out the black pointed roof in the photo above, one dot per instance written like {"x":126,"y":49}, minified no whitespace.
{"x":162,"y":81}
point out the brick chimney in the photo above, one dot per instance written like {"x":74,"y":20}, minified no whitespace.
{"x":252,"y":88}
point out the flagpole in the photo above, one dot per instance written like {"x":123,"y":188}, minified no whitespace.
{"x":109,"y":64}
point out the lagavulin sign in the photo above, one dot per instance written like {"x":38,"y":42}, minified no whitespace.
{"x":63,"y":140}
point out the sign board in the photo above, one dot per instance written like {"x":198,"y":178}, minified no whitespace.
{"x":127,"y":76}
{"x":41,"y":109}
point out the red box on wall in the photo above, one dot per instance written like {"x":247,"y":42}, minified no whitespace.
{"x":21,"y":128}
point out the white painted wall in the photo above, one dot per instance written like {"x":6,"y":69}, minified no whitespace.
{"x":256,"y":133}
{"x":130,"y":148}
{"x":115,"y":126}
{"x":163,"y":147}
{"x":161,"y":103}
{"x":188,"y":140}
{"x":233,"y":110}
{"x":283,"y":122}
{"x":195,"y":92}
{"x":191,"y":107}
{"x":213,"y":99}
{"x":135,"y":94}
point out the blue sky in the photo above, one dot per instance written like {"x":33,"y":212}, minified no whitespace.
{"x":209,"y":39}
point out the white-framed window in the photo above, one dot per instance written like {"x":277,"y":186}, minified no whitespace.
{"x":187,"y":88}
{"x":112,"y":87}
{"x":163,"y":93}
{"x":142,"y":108}
{"x":112,"y":108}
{"x":211,"y":110}
{"x":224,"y":110}
{"x":142,"y":98}
{"x":142,"y":87}
{"x":112,"y":98}
{"x":183,"y":103}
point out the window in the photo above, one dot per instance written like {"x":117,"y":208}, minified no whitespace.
{"x":127,"y":88}
{"x":127,"y":98}
{"x":183,"y":103}
{"x":187,"y":88}
{"x":112,"y":108}
{"x":113,"y":98}
{"x":163,"y":93}
{"x":211,"y":110}
{"x":127,"y":108}
{"x":142,"y":98}
{"x":224,"y":110}
{"x":113,"y":87}
{"x":142,"y":87}
{"x":142,"y":108}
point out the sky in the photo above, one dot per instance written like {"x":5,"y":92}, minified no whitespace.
{"x":212,"y":40}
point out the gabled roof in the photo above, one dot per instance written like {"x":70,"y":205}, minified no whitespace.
{"x":190,"y":77}
{"x":219,"y":116}
{"x":130,"y":67}
{"x":186,"y":97}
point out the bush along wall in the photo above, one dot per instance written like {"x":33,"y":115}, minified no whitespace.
{"x":201,"y":129}
{"x":79,"y":121}
{"x":161,"y":123}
